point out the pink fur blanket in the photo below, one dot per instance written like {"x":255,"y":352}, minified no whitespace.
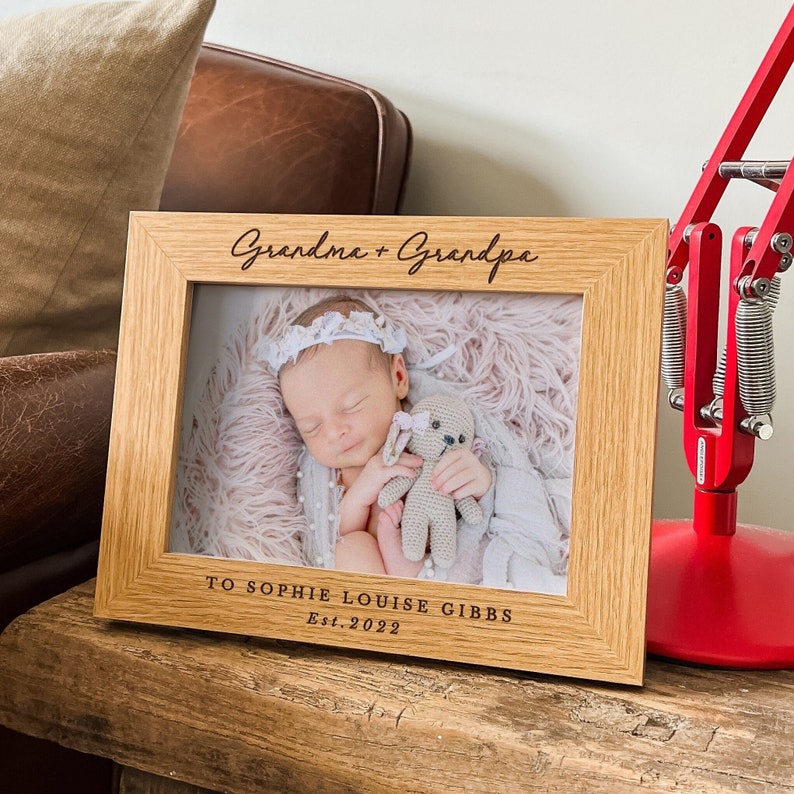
{"x":516,"y":357}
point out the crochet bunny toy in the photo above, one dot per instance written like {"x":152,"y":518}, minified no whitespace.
{"x":435,"y":426}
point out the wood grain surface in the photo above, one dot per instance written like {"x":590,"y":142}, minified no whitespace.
{"x":252,"y":716}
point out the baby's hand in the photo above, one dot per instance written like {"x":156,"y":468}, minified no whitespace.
{"x":389,"y":520}
{"x":376,"y":474}
{"x":460,"y":473}
{"x":354,"y":509}
{"x":390,"y":543}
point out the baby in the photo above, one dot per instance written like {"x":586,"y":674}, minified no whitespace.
{"x":343,"y":377}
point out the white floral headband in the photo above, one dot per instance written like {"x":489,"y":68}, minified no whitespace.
{"x":331,"y":327}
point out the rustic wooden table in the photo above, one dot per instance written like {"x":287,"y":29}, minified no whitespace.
{"x":183,"y":711}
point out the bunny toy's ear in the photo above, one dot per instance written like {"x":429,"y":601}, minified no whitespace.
{"x":398,"y":437}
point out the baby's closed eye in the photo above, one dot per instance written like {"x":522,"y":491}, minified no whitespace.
{"x":309,"y":430}
{"x":355,"y":406}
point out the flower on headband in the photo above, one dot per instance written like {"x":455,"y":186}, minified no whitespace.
{"x":331,"y":327}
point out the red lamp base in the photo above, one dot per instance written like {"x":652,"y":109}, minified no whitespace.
{"x":723,"y":600}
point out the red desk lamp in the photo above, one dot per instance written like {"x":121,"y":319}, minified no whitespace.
{"x":722,"y":593}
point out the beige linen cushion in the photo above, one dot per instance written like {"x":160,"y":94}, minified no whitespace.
{"x":90,"y":102}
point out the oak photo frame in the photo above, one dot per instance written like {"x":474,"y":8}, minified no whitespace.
{"x":595,"y":630}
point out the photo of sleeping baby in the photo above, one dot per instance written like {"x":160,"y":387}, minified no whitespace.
{"x":414,"y":434}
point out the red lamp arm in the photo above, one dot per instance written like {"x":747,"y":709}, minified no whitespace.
{"x":732,"y":146}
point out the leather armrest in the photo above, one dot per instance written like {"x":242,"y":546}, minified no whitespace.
{"x":54,"y":428}
{"x":260,"y":135}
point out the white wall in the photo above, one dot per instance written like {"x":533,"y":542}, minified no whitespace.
{"x":558,"y":107}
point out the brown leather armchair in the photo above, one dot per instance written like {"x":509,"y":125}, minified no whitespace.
{"x":257,"y":135}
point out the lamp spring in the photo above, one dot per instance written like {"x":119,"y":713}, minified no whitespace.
{"x":674,"y":336}
{"x":755,"y":353}
{"x":718,"y":383}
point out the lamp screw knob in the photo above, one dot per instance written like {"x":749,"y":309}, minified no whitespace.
{"x":781,"y":242}
{"x":749,"y":238}
{"x":754,"y":289}
{"x":755,"y":426}
{"x":760,"y":287}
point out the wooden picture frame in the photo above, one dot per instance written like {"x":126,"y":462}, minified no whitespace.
{"x":595,"y":630}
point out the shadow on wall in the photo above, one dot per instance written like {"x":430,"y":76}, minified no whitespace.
{"x":674,"y":485}
{"x":467,"y":165}
{"x":447,"y":179}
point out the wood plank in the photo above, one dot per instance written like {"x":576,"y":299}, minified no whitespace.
{"x":251,"y":715}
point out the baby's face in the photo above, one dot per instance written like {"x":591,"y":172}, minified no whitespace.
{"x":343,"y":403}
